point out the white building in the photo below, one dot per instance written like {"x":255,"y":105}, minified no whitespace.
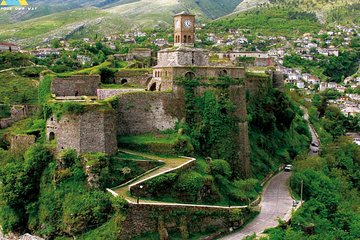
{"x":350,"y":111}
{"x":4,"y":47}
{"x":300,"y":84}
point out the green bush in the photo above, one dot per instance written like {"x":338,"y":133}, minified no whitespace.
{"x":161,"y":183}
{"x":220,"y":167}
{"x":107,"y":75}
{"x":190,"y":183}
{"x":84,"y":211}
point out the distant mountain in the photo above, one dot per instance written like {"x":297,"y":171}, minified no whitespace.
{"x":84,"y":17}
{"x":206,"y":8}
{"x":55,"y":19}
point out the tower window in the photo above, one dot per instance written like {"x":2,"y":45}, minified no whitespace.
{"x":51,"y":136}
{"x":185,"y":39}
{"x":189,"y":39}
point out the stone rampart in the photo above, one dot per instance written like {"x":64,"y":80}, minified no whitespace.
{"x":144,"y":112}
{"x":138,"y":77}
{"x":107,"y":93}
{"x":92,"y":131}
{"x":186,"y":219}
{"x":257,"y":84}
{"x":77,"y":85}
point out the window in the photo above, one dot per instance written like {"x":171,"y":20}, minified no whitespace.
{"x":51,"y":136}
{"x":190,"y":75}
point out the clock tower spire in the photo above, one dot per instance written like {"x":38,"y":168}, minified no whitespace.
{"x":184,"y":31}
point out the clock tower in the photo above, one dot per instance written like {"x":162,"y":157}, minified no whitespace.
{"x":184,"y":31}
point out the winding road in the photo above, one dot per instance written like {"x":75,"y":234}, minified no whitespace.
{"x":276,"y":203}
{"x":276,"y":199}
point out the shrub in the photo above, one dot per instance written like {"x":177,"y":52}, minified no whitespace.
{"x":190,"y":182}
{"x":68,"y":157}
{"x":220,"y":167}
{"x":107,"y":74}
{"x":84,"y":211}
{"x":160,"y":183}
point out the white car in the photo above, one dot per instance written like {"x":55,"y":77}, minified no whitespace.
{"x":288,"y":168}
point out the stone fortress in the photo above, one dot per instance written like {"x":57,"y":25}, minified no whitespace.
{"x":156,"y":107}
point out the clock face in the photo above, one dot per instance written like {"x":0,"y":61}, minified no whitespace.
{"x":177,"y":24}
{"x":187,"y":24}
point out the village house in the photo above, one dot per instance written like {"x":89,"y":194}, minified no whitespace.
{"x":45,"y":52}
{"x":9,"y":47}
{"x":351,"y":111}
{"x":82,"y":59}
{"x":160,"y":42}
{"x":300,"y":84}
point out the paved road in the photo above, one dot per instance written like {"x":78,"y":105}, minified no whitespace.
{"x":314,"y":151}
{"x":276,"y":203}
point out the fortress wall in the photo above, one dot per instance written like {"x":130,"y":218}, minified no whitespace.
{"x":107,"y":93}
{"x":165,"y":218}
{"x":67,"y":132}
{"x":145,"y":112}
{"x":140,"y":77}
{"x":257,"y":84}
{"x":110,"y":131}
{"x":278,"y":80}
{"x":92,"y":131}
{"x":82,"y":85}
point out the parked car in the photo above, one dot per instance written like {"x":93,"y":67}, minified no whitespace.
{"x":314,"y":144}
{"x":288,"y":168}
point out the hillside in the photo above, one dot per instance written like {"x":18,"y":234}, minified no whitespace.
{"x":327,"y":11}
{"x":269,"y":21}
{"x":63,"y":24}
{"x":97,"y":17}
{"x":206,"y":8}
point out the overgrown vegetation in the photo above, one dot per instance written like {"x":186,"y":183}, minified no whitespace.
{"x":14,"y":60}
{"x":211,"y":121}
{"x":272,"y":21}
{"x":17,"y":89}
{"x":277,"y":130}
{"x":52,"y":198}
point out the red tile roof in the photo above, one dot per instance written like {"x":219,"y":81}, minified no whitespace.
{"x":8,"y":44}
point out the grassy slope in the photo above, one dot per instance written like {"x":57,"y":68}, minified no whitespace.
{"x":17,"y":88}
{"x":328,"y":11}
{"x":60,"y":24}
{"x":268,"y":21}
